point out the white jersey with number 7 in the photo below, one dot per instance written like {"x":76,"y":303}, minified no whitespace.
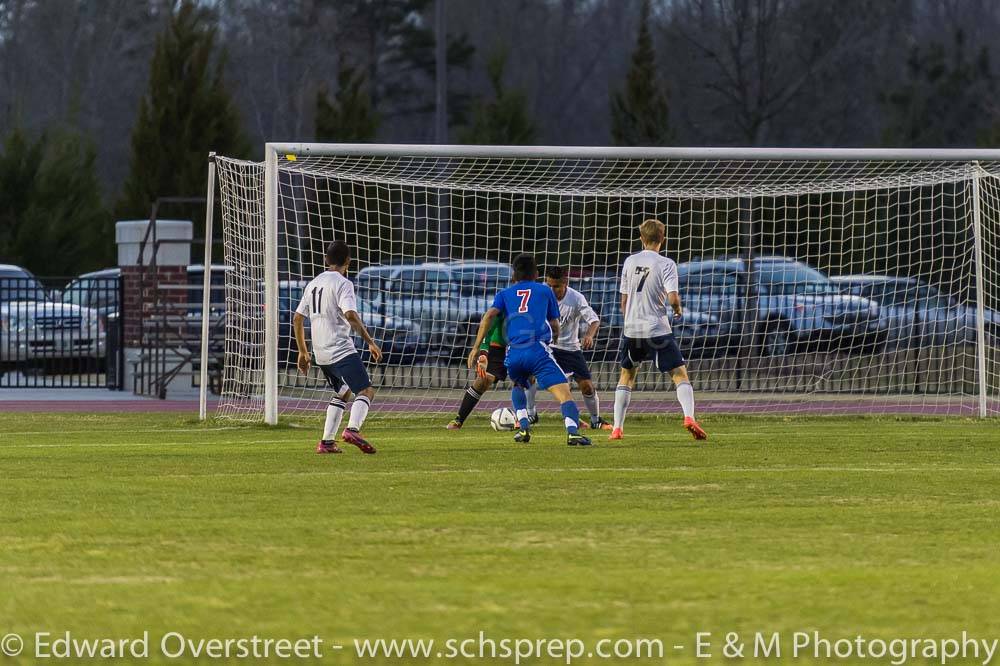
{"x":647,"y":278}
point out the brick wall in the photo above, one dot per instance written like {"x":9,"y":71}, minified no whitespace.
{"x":140,"y":288}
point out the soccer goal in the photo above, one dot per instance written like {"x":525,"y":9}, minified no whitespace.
{"x":813,"y":280}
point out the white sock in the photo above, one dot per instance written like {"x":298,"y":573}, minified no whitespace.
{"x":531,"y":392}
{"x":685,"y":396}
{"x":623,"y":396}
{"x":334,"y":414}
{"x":593,"y":405}
{"x":359,"y":412}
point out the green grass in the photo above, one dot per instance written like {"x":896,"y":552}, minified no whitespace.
{"x":115,"y":524}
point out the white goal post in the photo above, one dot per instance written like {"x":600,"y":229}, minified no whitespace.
{"x":814,"y":280}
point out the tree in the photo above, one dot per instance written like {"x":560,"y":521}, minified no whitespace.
{"x":185,"y":114}
{"x":944,"y":100}
{"x":640,"y":115}
{"x":398,"y":43}
{"x":350,"y":117}
{"x":51,"y":215}
{"x":502,"y":120}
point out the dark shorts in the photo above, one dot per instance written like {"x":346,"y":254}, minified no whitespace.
{"x":348,"y":371}
{"x":494,"y":363}
{"x":662,"y":349}
{"x":572,"y":363}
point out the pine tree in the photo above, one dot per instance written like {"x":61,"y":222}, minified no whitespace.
{"x":186,"y":113}
{"x":51,"y":215}
{"x":640,"y":115}
{"x":350,"y":117}
{"x":502,"y":120}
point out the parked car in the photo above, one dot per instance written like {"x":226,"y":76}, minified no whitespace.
{"x":697,"y":333}
{"x":445,"y":300}
{"x":798,"y":308}
{"x":35,"y":329}
{"x":399,"y":338}
{"x":97,"y":290}
{"x":918,"y":314}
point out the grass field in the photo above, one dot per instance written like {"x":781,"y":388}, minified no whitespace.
{"x":115,"y":524}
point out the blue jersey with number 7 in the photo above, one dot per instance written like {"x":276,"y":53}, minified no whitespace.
{"x":527,"y":308}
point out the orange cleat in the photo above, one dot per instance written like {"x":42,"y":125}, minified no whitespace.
{"x":616,"y":434}
{"x":692,"y":427}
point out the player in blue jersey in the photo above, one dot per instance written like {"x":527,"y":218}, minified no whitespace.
{"x":531,"y":312}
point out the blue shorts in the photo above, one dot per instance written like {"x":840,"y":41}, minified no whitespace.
{"x":348,"y":371}
{"x":572,"y":362}
{"x":662,"y":349}
{"x":536,"y":361}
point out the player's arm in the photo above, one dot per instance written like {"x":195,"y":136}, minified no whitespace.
{"x":593,"y":324}
{"x":554,"y":324}
{"x":670,"y":281}
{"x":674,"y":298}
{"x":358,"y":327}
{"x":298,"y":324}
{"x":484,"y":325}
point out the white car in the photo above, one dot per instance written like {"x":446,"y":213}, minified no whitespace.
{"x":34,"y":328}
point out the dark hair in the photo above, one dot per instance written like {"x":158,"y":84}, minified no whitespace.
{"x":555,"y":273}
{"x":337,"y":253}
{"x":524,"y":267}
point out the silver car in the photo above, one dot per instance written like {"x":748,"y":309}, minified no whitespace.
{"x":34,"y":328}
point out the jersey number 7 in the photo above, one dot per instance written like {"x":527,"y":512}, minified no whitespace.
{"x":525,"y":294}
{"x":644,"y":272}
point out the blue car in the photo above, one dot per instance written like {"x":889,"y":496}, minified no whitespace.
{"x":917,"y":314}
{"x":786,"y":305}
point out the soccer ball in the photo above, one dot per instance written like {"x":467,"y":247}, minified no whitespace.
{"x":503,"y":419}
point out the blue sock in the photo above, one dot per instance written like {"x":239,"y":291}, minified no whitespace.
{"x":571,"y":414}
{"x":520,"y":400}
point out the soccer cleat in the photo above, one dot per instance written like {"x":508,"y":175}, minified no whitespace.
{"x":695,"y":429}
{"x":354,"y":437}
{"x":600,"y":424}
{"x":533,"y":418}
{"x":522,"y":436}
{"x":454,"y":424}
{"x":328,"y":446}
{"x":616,"y":434}
{"x":578,"y":440}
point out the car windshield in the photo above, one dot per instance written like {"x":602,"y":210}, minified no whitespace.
{"x":16,"y":286}
{"x":793,"y":278}
{"x":888,"y":293}
{"x":482,"y":281}
{"x":709,"y":282}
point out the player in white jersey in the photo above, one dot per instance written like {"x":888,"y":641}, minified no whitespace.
{"x":574,"y":310}
{"x":649,"y":292}
{"x":329,"y":303}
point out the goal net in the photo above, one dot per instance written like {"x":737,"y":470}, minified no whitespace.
{"x":813,"y":281}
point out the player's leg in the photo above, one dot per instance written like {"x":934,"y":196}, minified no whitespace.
{"x":353,"y":371}
{"x":470,"y":399}
{"x":593,"y":403}
{"x":334,"y":411}
{"x":630,"y":354}
{"x":551,"y":377}
{"x":531,"y":393}
{"x":574,"y":364}
{"x":496,"y":371}
{"x":669,"y":359}
{"x":685,"y":396}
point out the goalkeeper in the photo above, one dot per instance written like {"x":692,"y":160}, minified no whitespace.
{"x":490,"y":369}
